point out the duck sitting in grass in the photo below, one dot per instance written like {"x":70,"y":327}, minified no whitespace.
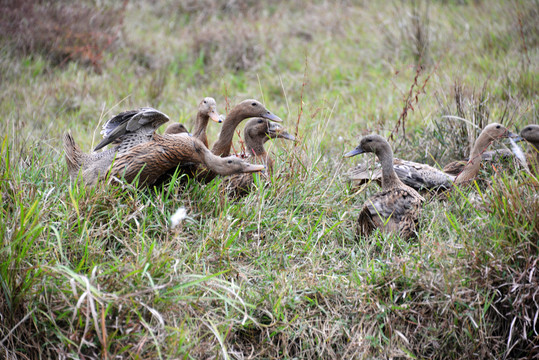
{"x":256,"y":133}
{"x":397,"y":207}
{"x":124,"y":131}
{"x":151,"y":160}
{"x":425,"y":177}
{"x":151,"y":156}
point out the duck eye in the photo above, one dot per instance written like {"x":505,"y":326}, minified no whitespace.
{"x":260,"y":121}
{"x":497,"y":127}
{"x":230,"y":161}
{"x":205,"y":102}
{"x":369,"y":140}
{"x":253,"y":104}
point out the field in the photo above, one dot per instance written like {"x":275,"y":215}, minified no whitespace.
{"x":278,"y":274}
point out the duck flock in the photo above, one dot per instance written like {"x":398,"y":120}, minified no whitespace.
{"x":138,"y":154}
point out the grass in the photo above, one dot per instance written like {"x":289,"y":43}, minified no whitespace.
{"x":100,"y":272}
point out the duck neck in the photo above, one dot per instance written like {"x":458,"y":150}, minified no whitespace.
{"x":223,"y":144}
{"x":255,"y":146}
{"x":389,"y":177}
{"x":471,"y":169}
{"x":534,"y":156}
{"x":215,"y":163}
{"x":200,"y":127}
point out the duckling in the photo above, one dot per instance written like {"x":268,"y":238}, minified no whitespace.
{"x":257,"y":131}
{"x":207,"y":109}
{"x":124,"y":130}
{"x":425,"y":177}
{"x":397,"y":207}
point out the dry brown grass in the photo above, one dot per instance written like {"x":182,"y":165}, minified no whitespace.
{"x":62,"y":31}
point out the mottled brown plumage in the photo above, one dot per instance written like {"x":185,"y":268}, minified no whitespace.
{"x":150,"y":160}
{"x":397,"y":207}
{"x":424,"y":177}
{"x":257,"y":131}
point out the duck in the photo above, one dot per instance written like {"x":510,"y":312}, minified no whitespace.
{"x":530,"y":133}
{"x":149,"y":161}
{"x":427,"y":178}
{"x":256,"y":133}
{"x":207,"y":109}
{"x":176,"y":128}
{"x":246,"y":109}
{"x":456,"y":167}
{"x":152,"y":153}
{"x":395,"y":209}
{"x":125,"y":130}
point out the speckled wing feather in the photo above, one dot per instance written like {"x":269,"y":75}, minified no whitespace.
{"x":394,"y":210}
{"x":422,"y":176}
{"x":362,"y":173}
{"x":416,"y":175}
{"x":132,"y":127}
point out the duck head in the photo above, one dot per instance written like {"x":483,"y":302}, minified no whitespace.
{"x":370,"y":143}
{"x":176,"y":128}
{"x":208,"y":107}
{"x":253,"y":108}
{"x":234,"y":165}
{"x":264,"y":129}
{"x":497,"y":131}
{"x":530,"y":133}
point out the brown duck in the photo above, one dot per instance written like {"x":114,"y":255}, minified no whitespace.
{"x":244,"y":110}
{"x":397,"y":207}
{"x":149,"y":161}
{"x":124,"y":130}
{"x":256,"y":133}
{"x":154,"y":157}
{"x":207,"y":109}
{"x":424,"y":177}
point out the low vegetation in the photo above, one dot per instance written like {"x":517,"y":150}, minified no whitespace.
{"x":102,"y":273}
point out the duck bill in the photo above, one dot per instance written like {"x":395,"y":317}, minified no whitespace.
{"x":272,"y":117}
{"x":276,"y":131}
{"x":215,"y":116}
{"x":514,"y":137}
{"x":284,"y":135}
{"x":354,"y":152}
{"x":251,"y":168}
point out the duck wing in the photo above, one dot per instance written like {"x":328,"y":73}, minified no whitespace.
{"x":416,"y":175}
{"x":135,"y":125}
{"x":422,"y":176}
